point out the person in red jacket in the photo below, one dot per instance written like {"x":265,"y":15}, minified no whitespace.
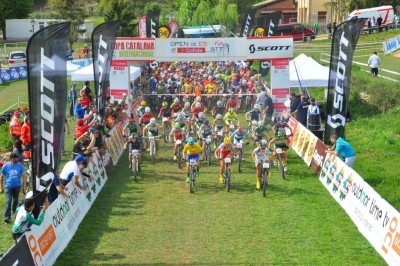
{"x":26,"y":137}
{"x":15,"y":125}
{"x":81,"y":128}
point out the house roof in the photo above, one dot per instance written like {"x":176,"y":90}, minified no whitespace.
{"x":266,"y":3}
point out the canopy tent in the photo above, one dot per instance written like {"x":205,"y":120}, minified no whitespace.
{"x":86,"y":73}
{"x":308,"y":71}
{"x":72,"y":67}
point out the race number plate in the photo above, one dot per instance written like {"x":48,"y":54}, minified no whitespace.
{"x":208,"y":140}
{"x":219,"y":133}
{"x":265,"y":165}
{"x":227,"y":160}
{"x":231,"y":126}
{"x":135,"y":152}
{"x":151,"y":139}
{"x":165,"y":119}
{"x":239,"y":145}
{"x":278,"y":150}
{"x":178,"y":141}
{"x":193,"y":162}
{"x":254,"y":123}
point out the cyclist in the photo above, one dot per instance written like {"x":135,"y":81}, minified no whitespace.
{"x":191,"y":152}
{"x":223,"y":151}
{"x":232,"y":102}
{"x":205,"y":130}
{"x":253,"y":115}
{"x":151,"y":129}
{"x":280,"y":125}
{"x":133,"y":143}
{"x":219,"y":109}
{"x":181,"y":119}
{"x":178,"y":133}
{"x":230,"y":118}
{"x":260,"y":131}
{"x":145,"y":118}
{"x":141,"y":109}
{"x":176,"y":106}
{"x":166,"y":112}
{"x":238,"y":137}
{"x":199,"y":121}
{"x":280,"y":142}
{"x":131,"y":127}
{"x":260,"y":155}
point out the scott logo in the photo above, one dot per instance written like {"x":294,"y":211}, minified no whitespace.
{"x":254,"y":49}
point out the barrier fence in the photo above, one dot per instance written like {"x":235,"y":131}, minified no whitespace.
{"x":374,"y":217}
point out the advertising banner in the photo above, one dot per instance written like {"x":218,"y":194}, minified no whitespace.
{"x":103,"y":40}
{"x":374,"y":217}
{"x":142,"y":27}
{"x":304,"y":143}
{"x":119,"y":79}
{"x":185,"y":49}
{"x":280,"y":84}
{"x":391,"y":45}
{"x":115,"y":144}
{"x":344,"y":43}
{"x":134,"y":49}
{"x":13,"y":73}
{"x":152,"y":23}
{"x":269,"y":48}
{"x":47,"y":80}
{"x":248,"y":23}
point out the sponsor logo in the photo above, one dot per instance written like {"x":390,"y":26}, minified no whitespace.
{"x":259,"y":32}
{"x":152,"y":28}
{"x":102,"y":56}
{"x":253,"y":48}
{"x":47,"y":239}
{"x":163,"y":32}
{"x":247,"y":26}
{"x":338,"y":119}
{"x":392,"y":238}
{"x":271,"y":26}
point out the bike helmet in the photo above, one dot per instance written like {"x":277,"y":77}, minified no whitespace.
{"x":187,"y":105}
{"x":227,"y":140}
{"x":263,"y":144}
{"x":206,"y":121}
{"x":198,"y":99}
{"x":177,"y":125}
{"x":164,"y":104}
{"x":147,"y":110}
{"x":176,"y":100}
{"x":218,"y":117}
{"x":219,"y":103}
{"x":181,"y":115}
{"x":132,"y":136}
{"x":256,"y":106}
{"x":201,"y":115}
{"x":260,"y":123}
{"x":198,"y":105}
{"x":153,"y":121}
{"x":190,"y":141}
{"x":143,"y":103}
{"x":240,"y":129}
{"x":232,"y":95}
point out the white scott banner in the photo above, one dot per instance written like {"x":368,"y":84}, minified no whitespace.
{"x":269,"y":48}
{"x":204,"y":49}
{"x":375,"y":218}
{"x":280,"y":83}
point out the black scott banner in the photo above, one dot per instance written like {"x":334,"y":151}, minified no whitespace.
{"x":47,"y":83}
{"x":152,"y":23}
{"x":248,"y":22}
{"x":344,"y":43}
{"x":272,"y":21}
{"x":103,"y":41}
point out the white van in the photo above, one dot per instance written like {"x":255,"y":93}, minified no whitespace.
{"x":386,"y":12}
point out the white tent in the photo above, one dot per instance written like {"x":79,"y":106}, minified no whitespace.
{"x":86,"y":73}
{"x":72,"y":67}
{"x":308,"y":71}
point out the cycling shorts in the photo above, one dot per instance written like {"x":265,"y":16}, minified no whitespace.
{"x":224,"y":154}
{"x":180,"y":137}
{"x":192,"y":156}
{"x":235,"y":140}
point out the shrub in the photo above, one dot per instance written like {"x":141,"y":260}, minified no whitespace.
{"x":6,"y":142}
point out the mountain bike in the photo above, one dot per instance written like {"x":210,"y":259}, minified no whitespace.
{"x":166,"y":128}
{"x":239,"y":146}
{"x":220,"y":135}
{"x":179,"y":153}
{"x":135,"y":163}
{"x":193,"y":173}
{"x":152,"y":147}
{"x":264,"y":177}
{"x":207,"y":150}
{"x":281,"y":167}
{"x":227,"y":174}
{"x":252,"y":127}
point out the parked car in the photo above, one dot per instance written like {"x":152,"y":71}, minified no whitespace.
{"x":16,"y":59}
{"x":298,"y":31}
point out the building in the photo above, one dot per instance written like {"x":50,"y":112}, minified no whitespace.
{"x":311,"y":11}
{"x":285,"y":10}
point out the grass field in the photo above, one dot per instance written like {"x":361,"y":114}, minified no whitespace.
{"x":158,"y":221}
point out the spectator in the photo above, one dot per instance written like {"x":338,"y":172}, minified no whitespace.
{"x":81,"y":128}
{"x":17,"y":149}
{"x":59,"y":186}
{"x":269,"y":109}
{"x":261,"y":97}
{"x":12,"y":171}
{"x":312,"y":109}
{"x":379,"y":23}
{"x":373,"y":22}
{"x":85,"y":51}
{"x":73,"y":94}
{"x":86,"y":91}
{"x":316,"y":27}
{"x":334,"y":26}
{"x":302,"y":111}
{"x":79,"y":109}
{"x":15,"y":125}
{"x":24,"y":217}
{"x":80,"y":145}
{"x":343,"y":148}
{"x":329,"y":30}
{"x":373,"y":62}
{"x":26,"y":137}
{"x":85,"y":103}
{"x":77,"y":167}
{"x":369,"y":23}
{"x":294,"y":102}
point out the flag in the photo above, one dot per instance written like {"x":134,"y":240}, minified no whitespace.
{"x":152,"y":23}
{"x":103,"y":41}
{"x":142,"y":27}
{"x":344,"y":43}
{"x":248,"y":23}
{"x":47,"y":83}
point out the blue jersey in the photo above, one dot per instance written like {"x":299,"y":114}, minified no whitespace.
{"x":12,"y":173}
{"x":344,"y":149}
{"x":239,"y":136}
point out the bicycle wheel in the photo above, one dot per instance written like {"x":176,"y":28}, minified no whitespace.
{"x":281,"y":167}
{"x":166,"y":130}
{"x":208,"y":154}
{"x":227,"y":178}
{"x":179,"y":157}
{"x":135,"y":168}
{"x":240,"y":156}
{"x":192,"y":178}
{"x":264,"y":180}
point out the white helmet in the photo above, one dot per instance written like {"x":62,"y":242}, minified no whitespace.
{"x":153,"y":121}
{"x":201,"y":115}
{"x":187,"y":105}
{"x":219,"y":116}
{"x":147,"y":110}
{"x":176,"y":100}
{"x":181,"y":115}
{"x":264,"y":141}
{"x":198,"y":105}
{"x":198,"y":99}
{"x":219,"y":103}
{"x":256,"y":106}
{"x":244,"y":82}
{"x":260,"y":123}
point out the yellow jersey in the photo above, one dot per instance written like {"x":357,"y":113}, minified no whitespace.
{"x":192,"y":149}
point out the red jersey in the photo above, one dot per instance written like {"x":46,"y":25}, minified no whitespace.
{"x":146,"y":117}
{"x":197,"y":110}
{"x":231,"y":103}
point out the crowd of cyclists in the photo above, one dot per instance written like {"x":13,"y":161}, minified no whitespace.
{"x":198,"y":103}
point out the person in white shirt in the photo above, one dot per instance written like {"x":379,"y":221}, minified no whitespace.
{"x":312,"y":109}
{"x":373,"y":62}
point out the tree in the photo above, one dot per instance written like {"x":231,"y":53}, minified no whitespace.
{"x":13,"y":10}
{"x":72,"y":11}
{"x":122,"y":11}
{"x":202,"y":14}
{"x":226,"y":14}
